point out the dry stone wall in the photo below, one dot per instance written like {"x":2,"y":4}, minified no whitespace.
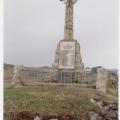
{"x":31,"y":76}
{"x":78,"y":70}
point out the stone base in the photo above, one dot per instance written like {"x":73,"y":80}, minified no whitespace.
{"x":68,"y":76}
{"x":75,"y":75}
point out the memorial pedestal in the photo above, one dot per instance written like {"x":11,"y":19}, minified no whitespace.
{"x":68,"y":66}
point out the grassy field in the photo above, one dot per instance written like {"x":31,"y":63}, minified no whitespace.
{"x":52,"y":100}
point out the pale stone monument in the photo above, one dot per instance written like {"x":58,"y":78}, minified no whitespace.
{"x":17,"y":74}
{"x":101,"y":83}
{"x":68,"y":66}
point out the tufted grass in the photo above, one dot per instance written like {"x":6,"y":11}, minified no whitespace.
{"x":51,"y":100}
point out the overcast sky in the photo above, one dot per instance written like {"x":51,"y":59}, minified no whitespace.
{"x":33,"y":29}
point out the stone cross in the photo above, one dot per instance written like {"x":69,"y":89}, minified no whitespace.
{"x":68,"y":28}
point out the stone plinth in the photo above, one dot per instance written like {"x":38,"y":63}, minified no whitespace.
{"x":101,"y":83}
{"x":74,"y":75}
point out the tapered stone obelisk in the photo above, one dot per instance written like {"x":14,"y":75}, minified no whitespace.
{"x":68,"y":66}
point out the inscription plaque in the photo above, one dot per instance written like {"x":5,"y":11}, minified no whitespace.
{"x":67,"y":55}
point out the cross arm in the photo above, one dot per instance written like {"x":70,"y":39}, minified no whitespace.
{"x":65,"y":1}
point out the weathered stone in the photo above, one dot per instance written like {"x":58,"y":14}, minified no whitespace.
{"x":68,"y":32}
{"x":75,"y":74}
{"x":97,"y":102}
{"x":93,"y":116}
{"x":104,"y":110}
{"x":111,"y":114}
{"x":114,"y":106}
{"x":36,"y":75}
{"x":78,"y":65}
{"x":101,"y":83}
{"x":37,"y":118}
{"x":31,"y":75}
{"x":53,"y":119}
{"x":17,"y":74}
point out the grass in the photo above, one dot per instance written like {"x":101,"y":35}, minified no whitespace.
{"x":51,"y":100}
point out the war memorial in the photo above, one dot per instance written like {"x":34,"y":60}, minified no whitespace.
{"x":65,"y":91}
{"x":67,"y":67}
{"x":68,"y":62}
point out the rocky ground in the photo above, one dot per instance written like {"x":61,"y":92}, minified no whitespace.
{"x":58,"y":103}
{"x":109,"y":112}
{"x":106,"y":111}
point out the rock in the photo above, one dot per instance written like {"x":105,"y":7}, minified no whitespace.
{"x":106,"y":113}
{"x":93,"y":116}
{"x":114,"y":106}
{"x":53,"y":119}
{"x":104,"y":110}
{"x":101,"y":83}
{"x":98,"y":102}
{"x":111,"y":114}
{"x":37,"y":118}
